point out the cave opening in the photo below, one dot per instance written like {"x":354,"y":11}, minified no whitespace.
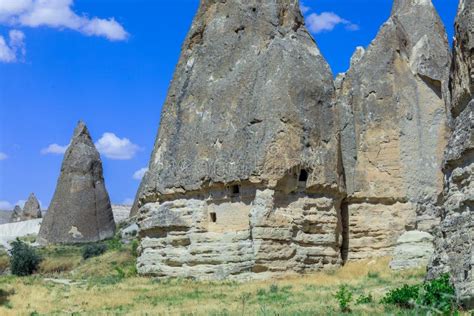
{"x":303,"y":176}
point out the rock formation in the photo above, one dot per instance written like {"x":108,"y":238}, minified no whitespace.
{"x":16,"y":214}
{"x":245,"y":176}
{"x":455,"y":237}
{"x":32,"y":209}
{"x":80,"y":211}
{"x":393,"y":125}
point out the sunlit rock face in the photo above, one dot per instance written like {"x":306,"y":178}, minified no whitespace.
{"x":245,"y":178}
{"x":455,"y":237}
{"x":80,"y":211}
{"x":394,"y":127}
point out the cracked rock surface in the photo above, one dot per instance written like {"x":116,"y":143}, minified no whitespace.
{"x":393,"y":124}
{"x":455,"y":236}
{"x":245,"y":177}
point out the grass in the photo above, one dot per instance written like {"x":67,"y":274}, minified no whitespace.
{"x":109,"y":285}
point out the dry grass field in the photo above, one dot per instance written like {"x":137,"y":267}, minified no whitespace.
{"x":107,"y":285}
{"x":66,"y":284}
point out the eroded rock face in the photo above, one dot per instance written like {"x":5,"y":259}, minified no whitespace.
{"x":393,"y":122}
{"x":245,"y":176}
{"x":455,"y":236}
{"x":80,"y":211}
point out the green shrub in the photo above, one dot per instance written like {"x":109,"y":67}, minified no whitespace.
{"x":24,"y":259}
{"x":94,"y":250}
{"x":404,"y":297}
{"x":365,"y":299}
{"x":438,"y":294}
{"x":344,"y":297}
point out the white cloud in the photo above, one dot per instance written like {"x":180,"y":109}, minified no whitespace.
{"x":327,"y":21}
{"x":304,"y":9}
{"x":116,"y":148}
{"x":128,"y":201}
{"x":3,"y":156}
{"x":58,"y":14}
{"x":15,"y":48}
{"x":5,"y":206}
{"x":54,"y":149}
{"x":139,"y":174}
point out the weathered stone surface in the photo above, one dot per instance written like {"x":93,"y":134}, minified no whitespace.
{"x":32,"y":209}
{"x":414,"y":249}
{"x":393,"y":122}
{"x":80,"y":211}
{"x":455,"y":236}
{"x":245,"y":177}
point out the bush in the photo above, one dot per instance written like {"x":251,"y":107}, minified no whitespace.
{"x":95,"y":250}
{"x":24,"y":259}
{"x":344,"y":297}
{"x":404,"y":297}
{"x":438,"y":294}
{"x":365,"y":299}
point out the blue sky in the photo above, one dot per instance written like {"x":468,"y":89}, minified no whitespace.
{"x":109,"y":63}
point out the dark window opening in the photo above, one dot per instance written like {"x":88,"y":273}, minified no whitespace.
{"x":213,"y":217}
{"x":235,"y":189}
{"x":303,"y":176}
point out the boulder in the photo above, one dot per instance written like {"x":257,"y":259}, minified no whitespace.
{"x":394,"y":126}
{"x":80,"y":211}
{"x":245,"y":176}
{"x":413,"y":250}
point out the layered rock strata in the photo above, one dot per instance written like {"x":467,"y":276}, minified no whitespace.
{"x":455,"y":236}
{"x":393,"y":125}
{"x":245,"y":177}
{"x":80,"y":211}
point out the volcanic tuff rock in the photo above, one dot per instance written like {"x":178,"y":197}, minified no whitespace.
{"x":80,"y":211}
{"x":16,"y":214}
{"x":245,"y":175}
{"x":393,"y":123}
{"x":32,"y":209}
{"x":455,"y":236}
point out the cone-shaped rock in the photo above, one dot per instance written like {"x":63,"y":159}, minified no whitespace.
{"x":32,"y":209}
{"x":245,"y":175}
{"x":80,"y":211}
{"x":16,"y":214}
{"x":455,"y":238}
{"x":393,"y":122}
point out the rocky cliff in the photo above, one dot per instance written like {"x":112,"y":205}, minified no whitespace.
{"x":263,"y":165}
{"x":245,"y":175}
{"x":455,"y":236}
{"x":394,"y":127}
{"x":31,"y":210}
{"x":80,"y":211}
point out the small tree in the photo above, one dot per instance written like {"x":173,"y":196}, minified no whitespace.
{"x":24,"y":259}
{"x":344,"y":297}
